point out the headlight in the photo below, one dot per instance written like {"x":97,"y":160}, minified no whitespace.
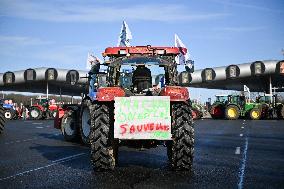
{"x":161,"y":51}
{"x":122,"y":52}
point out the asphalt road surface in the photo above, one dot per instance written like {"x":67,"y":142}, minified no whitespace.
{"x":228,"y":154}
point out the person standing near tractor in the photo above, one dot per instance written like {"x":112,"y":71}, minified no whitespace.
{"x":94,"y":62}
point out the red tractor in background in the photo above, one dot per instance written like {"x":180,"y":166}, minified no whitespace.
{"x":42,"y":109}
{"x":126,"y":109}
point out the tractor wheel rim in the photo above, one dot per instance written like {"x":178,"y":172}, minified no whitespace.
{"x":67,"y":126}
{"x":8,"y":115}
{"x":34,"y":113}
{"x":232,"y":113}
{"x":86,"y":127}
{"x":255,"y":114}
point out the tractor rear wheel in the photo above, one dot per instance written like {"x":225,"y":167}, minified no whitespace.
{"x":35,"y":113}
{"x":216,"y":112}
{"x":68,"y":126}
{"x":255,"y":114}
{"x":104,"y":149}
{"x":232,"y":112}
{"x":280,"y":111}
{"x":180,"y":149}
{"x":2,"y":119}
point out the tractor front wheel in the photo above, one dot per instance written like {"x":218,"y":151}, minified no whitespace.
{"x":104,"y":149}
{"x":8,"y":114}
{"x":232,"y":112}
{"x":180,"y":149}
{"x":255,"y":114}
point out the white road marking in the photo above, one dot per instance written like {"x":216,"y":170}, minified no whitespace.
{"x":243,"y":123}
{"x":238,"y":150}
{"x":241,"y":135}
{"x":243,"y":166}
{"x":55,"y":162}
{"x":17,"y":141}
{"x":242,"y":127}
{"x":37,"y":123}
{"x":39,"y":127}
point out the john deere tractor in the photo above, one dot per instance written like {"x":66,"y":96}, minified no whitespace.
{"x":270,"y":106}
{"x":233,"y":106}
{"x":238,"y":106}
{"x":129,"y":111}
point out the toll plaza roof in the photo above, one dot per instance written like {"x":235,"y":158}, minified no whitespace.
{"x":256,"y":75}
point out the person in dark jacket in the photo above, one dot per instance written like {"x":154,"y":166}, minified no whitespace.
{"x":95,"y":68}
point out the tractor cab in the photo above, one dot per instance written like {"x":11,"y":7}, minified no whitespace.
{"x":133,"y":68}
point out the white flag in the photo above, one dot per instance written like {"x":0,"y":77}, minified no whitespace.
{"x":246,"y":89}
{"x":183,"y":57}
{"x":90,"y":59}
{"x":124,"y":36}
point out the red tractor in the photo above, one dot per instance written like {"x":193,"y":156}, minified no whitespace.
{"x":127,"y":110}
{"x":42,"y":109}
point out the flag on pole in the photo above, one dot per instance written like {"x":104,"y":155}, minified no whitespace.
{"x":246,"y":89}
{"x":183,"y":57}
{"x":124,"y":36}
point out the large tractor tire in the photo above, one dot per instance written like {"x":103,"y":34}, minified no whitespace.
{"x":2,"y":119}
{"x":216,"y":112}
{"x":9,"y":114}
{"x":35,"y":113}
{"x":232,"y":112}
{"x":68,"y":126}
{"x":104,"y":149}
{"x":280,"y":111}
{"x":85,"y":121}
{"x":180,"y":150}
{"x":255,"y":114}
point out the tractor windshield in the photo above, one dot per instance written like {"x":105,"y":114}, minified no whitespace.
{"x":222,"y":99}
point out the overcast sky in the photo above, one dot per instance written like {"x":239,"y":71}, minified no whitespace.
{"x":217,"y":32}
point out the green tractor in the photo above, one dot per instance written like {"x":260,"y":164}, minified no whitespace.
{"x":270,"y":106}
{"x":234,"y":106}
{"x":239,"y":107}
